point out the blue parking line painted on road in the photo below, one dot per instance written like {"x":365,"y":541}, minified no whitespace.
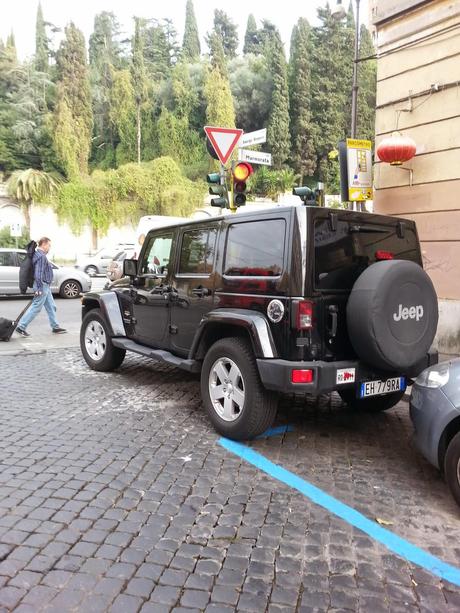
{"x":391,"y":541}
{"x":275,"y":431}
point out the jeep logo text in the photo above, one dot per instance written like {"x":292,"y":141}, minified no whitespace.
{"x":413,"y":312}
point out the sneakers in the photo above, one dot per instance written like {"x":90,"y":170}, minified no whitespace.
{"x":22,"y":332}
{"x":59,"y":331}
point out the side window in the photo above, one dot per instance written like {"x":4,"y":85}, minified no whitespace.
{"x":255,"y":248}
{"x":7,"y":259}
{"x":157,"y":255}
{"x":197,"y":252}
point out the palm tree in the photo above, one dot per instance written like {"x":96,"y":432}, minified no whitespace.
{"x":29,"y":186}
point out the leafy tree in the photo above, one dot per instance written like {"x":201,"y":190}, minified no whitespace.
{"x":302,"y":130}
{"x":278,"y":123}
{"x":251,"y":86}
{"x":32,"y":186}
{"x":10,"y":47}
{"x":251,"y":38}
{"x":6,"y":240}
{"x":367,"y":82}
{"x":73,"y":113}
{"x":123,"y":116}
{"x":227,"y":32}
{"x":139,"y":80}
{"x":157,"y":52}
{"x":191,"y":42}
{"x":42,"y":51}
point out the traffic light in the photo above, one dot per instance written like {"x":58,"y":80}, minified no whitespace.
{"x":240,"y":174}
{"x":216,"y":188}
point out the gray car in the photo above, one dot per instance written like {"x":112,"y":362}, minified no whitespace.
{"x":435,"y":413}
{"x":67,"y":282}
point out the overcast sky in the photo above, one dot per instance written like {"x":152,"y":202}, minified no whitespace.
{"x":19,"y":15}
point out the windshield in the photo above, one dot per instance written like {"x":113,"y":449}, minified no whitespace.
{"x":341,"y":255}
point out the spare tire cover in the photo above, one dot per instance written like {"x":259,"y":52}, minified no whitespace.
{"x":392,"y":314}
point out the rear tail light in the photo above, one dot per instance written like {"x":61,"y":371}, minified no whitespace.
{"x":302,"y":376}
{"x":384,"y":255}
{"x":305,"y":315}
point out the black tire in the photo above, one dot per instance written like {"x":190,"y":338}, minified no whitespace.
{"x":452,"y":467}
{"x":392,"y":315}
{"x":70,"y":289}
{"x":375,"y":404}
{"x":111,"y":357}
{"x":259,"y":406}
{"x":92,"y":271}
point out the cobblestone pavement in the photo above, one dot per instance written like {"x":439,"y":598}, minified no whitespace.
{"x":115,"y":496}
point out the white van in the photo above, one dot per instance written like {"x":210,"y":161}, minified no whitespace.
{"x":150,"y":222}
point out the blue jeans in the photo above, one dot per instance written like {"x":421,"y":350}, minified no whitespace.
{"x":44,"y":300}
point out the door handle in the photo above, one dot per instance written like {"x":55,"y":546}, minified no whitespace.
{"x":200,"y":291}
{"x":333,"y":309}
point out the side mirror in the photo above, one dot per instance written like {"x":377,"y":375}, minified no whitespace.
{"x":130,"y":268}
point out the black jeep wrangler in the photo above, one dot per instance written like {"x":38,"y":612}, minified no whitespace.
{"x":298,"y":299}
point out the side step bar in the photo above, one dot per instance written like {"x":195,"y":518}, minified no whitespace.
{"x":157,"y":354}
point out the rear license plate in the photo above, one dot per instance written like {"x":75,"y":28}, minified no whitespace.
{"x":377,"y":388}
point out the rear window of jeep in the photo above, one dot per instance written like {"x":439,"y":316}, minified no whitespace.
{"x":255,"y":248}
{"x":341,"y":255}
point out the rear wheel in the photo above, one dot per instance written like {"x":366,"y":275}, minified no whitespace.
{"x":96,"y":344}
{"x":452,"y":467}
{"x":374,"y":404}
{"x":92,"y":271}
{"x":70,"y":289}
{"x":234,"y":398}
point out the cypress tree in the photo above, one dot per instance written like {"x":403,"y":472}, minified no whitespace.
{"x":278,"y":137}
{"x":251,"y":38}
{"x":226,"y":30}
{"x":220,"y":110}
{"x":191,"y":42}
{"x":367,"y":82}
{"x":331,"y":81}
{"x":303,"y":152}
{"x":10,"y":47}
{"x":41,"y":43}
{"x":139,"y":79}
{"x":104,"y":58}
{"x":73,"y":113}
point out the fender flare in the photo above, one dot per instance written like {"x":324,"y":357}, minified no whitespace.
{"x":254,"y":323}
{"x":107,"y":301}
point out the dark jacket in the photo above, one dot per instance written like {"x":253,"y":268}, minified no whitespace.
{"x":43,"y":271}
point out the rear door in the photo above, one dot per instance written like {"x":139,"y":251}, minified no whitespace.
{"x":9,"y":273}
{"x":192,"y":293}
{"x":344,"y":246}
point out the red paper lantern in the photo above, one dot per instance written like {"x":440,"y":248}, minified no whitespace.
{"x":396,"y":149}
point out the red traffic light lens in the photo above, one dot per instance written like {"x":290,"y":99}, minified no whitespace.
{"x":242,"y":171}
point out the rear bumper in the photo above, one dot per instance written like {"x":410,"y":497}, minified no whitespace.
{"x":276,"y":374}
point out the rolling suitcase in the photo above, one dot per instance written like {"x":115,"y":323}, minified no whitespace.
{"x":7,"y":327}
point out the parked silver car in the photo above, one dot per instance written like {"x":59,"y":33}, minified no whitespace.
{"x":98,"y":263}
{"x":67,"y":282}
{"x":435,"y":413}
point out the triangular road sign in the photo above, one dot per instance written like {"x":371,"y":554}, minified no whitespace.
{"x":223,"y":140}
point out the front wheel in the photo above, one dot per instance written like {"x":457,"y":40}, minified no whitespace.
{"x":452,"y":467}
{"x":96,"y":344}
{"x":234,"y":398}
{"x":70,"y":289}
{"x":375,"y":404}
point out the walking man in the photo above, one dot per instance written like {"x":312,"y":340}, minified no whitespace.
{"x":43,"y":277}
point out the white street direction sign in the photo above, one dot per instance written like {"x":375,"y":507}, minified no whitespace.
{"x":15,"y":230}
{"x":255,"y":157}
{"x":253,"y":138}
